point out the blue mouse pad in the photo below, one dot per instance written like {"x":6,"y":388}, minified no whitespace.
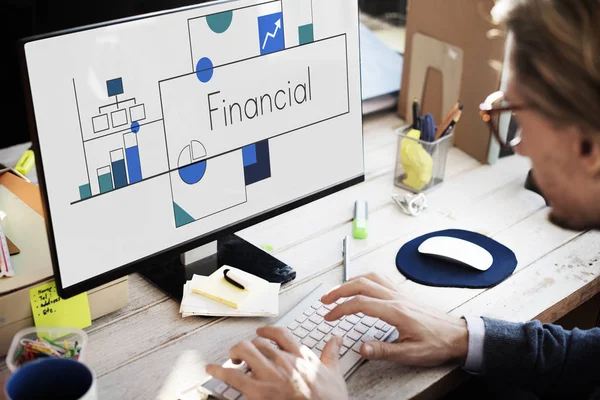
{"x":432,"y":271}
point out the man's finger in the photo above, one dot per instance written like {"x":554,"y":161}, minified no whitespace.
{"x":273,"y":354}
{"x":382,"y":309}
{"x":330,"y":355}
{"x":376,"y":350}
{"x":359,"y":286}
{"x":234,"y":377}
{"x":260,"y":365}
{"x":378,"y":278}
{"x":282,"y":337}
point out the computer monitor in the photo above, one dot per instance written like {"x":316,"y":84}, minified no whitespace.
{"x":163,"y":132}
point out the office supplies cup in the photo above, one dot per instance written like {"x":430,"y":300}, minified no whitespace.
{"x":420,"y":165}
{"x":35,"y":343}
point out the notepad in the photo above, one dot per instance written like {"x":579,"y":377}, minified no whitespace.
{"x":217,"y":288}
{"x":213,"y":296}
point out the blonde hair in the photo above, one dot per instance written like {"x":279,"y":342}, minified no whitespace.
{"x":556,"y":57}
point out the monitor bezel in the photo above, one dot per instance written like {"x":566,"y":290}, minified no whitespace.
{"x":173,"y":251}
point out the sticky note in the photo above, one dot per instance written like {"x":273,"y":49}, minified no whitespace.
{"x":49,"y":309}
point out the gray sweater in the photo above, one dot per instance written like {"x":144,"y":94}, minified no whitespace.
{"x":546,"y":359}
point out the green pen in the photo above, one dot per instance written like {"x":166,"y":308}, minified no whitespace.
{"x":360,"y":225}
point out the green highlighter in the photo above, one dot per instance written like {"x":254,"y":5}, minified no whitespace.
{"x":361,"y":222}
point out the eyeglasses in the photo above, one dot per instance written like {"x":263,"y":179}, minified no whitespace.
{"x":493,"y":111}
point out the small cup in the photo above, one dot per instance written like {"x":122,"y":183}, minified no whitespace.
{"x":50,"y":379}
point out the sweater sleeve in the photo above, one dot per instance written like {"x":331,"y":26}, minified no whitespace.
{"x":543,"y":358}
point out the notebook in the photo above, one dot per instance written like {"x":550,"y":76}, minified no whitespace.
{"x":214,"y":296}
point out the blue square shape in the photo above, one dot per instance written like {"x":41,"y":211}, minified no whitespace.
{"x":114,"y":87}
{"x":270,"y":33}
{"x":249,"y":154}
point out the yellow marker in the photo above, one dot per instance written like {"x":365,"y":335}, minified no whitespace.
{"x":26,"y":162}
{"x":66,"y":345}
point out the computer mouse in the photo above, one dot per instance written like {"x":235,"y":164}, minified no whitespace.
{"x":457,"y":250}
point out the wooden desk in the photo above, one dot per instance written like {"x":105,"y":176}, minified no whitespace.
{"x":147,"y":350}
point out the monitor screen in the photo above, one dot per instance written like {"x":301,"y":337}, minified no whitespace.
{"x":161,"y":132}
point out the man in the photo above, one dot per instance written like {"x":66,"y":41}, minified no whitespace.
{"x":554,"y":93}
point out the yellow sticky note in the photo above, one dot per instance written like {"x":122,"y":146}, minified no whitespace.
{"x":50,"y":310}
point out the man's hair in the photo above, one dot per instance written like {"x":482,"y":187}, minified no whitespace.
{"x":556,"y":57}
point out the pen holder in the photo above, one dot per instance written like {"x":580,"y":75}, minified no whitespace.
{"x":420,"y":165}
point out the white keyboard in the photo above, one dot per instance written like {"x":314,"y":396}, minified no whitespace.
{"x":305,"y":321}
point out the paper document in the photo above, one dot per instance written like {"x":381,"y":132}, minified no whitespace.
{"x":261,"y":300}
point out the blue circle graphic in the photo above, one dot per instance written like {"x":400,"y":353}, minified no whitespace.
{"x":135,"y":127}
{"x":192,"y":173}
{"x":204,"y":69}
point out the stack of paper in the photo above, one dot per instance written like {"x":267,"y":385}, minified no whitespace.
{"x":206,"y":295}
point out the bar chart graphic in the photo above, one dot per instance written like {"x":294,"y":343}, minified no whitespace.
{"x":132,"y":154}
{"x":105,"y":179}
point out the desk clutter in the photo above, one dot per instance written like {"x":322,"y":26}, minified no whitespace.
{"x":35,"y":343}
{"x":230,"y":292}
{"x":423,"y":148}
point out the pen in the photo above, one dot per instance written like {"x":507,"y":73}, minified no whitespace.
{"x":346,"y":259}
{"x":415,"y":107}
{"x":233,"y":279}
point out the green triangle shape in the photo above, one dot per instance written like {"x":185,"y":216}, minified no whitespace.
{"x":181,"y":216}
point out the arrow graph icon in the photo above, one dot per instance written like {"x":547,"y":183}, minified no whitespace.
{"x":272,"y":35}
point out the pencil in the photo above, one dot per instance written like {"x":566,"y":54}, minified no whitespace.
{"x":446,"y":121}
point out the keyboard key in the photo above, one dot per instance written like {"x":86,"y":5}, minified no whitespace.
{"x":338,"y":332}
{"x":301,"y":332}
{"x":309,"y":342}
{"x":322,"y":311}
{"x":343,"y":350}
{"x":379,"y":335}
{"x":379,"y":324}
{"x":348,"y":342}
{"x":333,"y":323}
{"x":317,"y":305}
{"x":292,"y":326}
{"x":323,"y":327}
{"x":340,"y":300}
{"x":327,"y":337}
{"x":357,"y":346}
{"x":301,"y":318}
{"x":309,"y":312}
{"x":315,"y":319}
{"x":345,"y":326}
{"x":370,"y":335}
{"x":361,"y":328}
{"x":354,"y":335}
{"x":360,"y":315}
{"x":221,"y":388}
{"x":330,"y":306}
{"x":321,"y":345}
{"x":369,"y":321}
{"x":231,"y":394}
{"x":353,"y":319}
{"x":317,"y":352}
{"x":309,"y":326}
{"x":386,"y":327}
{"x":317,"y":335}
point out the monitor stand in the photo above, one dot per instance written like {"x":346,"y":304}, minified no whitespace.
{"x":171,"y":275}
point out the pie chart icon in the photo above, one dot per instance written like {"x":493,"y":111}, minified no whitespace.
{"x":190,"y":164}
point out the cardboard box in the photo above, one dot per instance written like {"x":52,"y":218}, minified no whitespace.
{"x":464,"y":24}
{"x":24,"y":224}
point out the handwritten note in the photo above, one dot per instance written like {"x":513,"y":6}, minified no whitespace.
{"x":49,"y":309}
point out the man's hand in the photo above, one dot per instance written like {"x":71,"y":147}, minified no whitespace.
{"x":427,"y":337}
{"x":290,"y":372}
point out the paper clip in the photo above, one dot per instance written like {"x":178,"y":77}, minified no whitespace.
{"x":411,"y":204}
